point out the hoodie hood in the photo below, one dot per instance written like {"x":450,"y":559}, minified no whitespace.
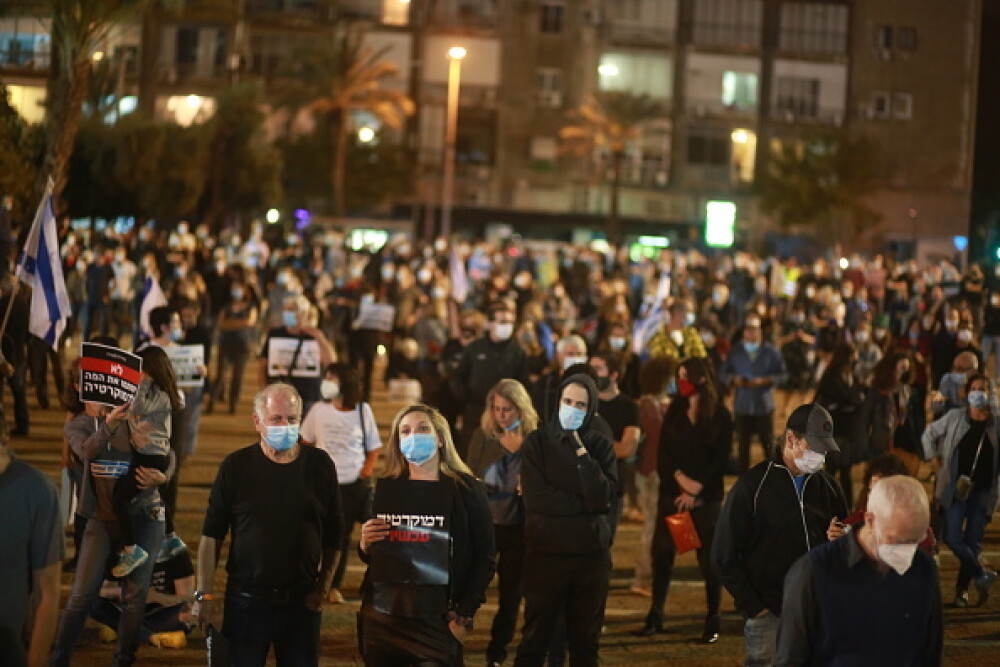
{"x":587,"y":383}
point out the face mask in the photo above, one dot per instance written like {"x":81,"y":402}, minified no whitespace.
{"x":719,"y":297}
{"x":810,"y":462}
{"x":282,"y":438}
{"x":290,"y":318}
{"x":282,"y":279}
{"x":438,"y":293}
{"x":237,"y":294}
{"x":424,"y":276}
{"x":689,"y":320}
{"x":880,"y":334}
{"x":951,"y":325}
{"x":964,"y":336}
{"x":672,"y":387}
{"x":573,"y":361}
{"x":798,"y":318}
{"x":861,"y":336}
{"x":388,"y":271}
{"x":176,"y":335}
{"x":677,"y":337}
{"x":503,"y":330}
{"x":810,"y":292}
{"x":603,"y":383}
{"x":329,"y":390}
{"x":686,"y":388}
{"x":617,"y":342}
{"x":514,"y":426}
{"x":571,"y":418}
{"x":418,"y":448}
{"x":897,"y":556}
{"x":751,"y":348}
{"x":958,"y":379}
{"x":979,"y":399}
{"x":708,"y":338}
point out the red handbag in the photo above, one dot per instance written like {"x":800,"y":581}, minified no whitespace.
{"x":683,"y":532}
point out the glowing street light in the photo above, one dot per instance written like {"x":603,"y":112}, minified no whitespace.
{"x":740,"y":136}
{"x":273,"y":216}
{"x":366,"y":135}
{"x":455,"y":55}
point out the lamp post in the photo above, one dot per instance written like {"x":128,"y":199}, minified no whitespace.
{"x":455,"y":56}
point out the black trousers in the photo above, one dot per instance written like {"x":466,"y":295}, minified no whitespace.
{"x":127,"y":488}
{"x":749,"y":425}
{"x":663,"y":553}
{"x":40,"y":354}
{"x":556,"y":584}
{"x":510,"y":588}
{"x":388,"y":641}
{"x":353,"y":504}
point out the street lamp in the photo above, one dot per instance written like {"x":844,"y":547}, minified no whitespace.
{"x":455,"y":56}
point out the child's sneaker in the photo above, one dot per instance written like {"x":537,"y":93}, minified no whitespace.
{"x":171,"y":546}
{"x":129,"y":561}
{"x":176,"y":639}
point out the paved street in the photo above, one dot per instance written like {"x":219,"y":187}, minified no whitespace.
{"x":972,"y":635}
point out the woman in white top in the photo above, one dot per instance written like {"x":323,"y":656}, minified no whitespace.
{"x":345,"y":427}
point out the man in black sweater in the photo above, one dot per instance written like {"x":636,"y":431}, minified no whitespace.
{"x":776,"y":511}
{"x":870,"y":597}
{"x":569,"y":478}
{"x":484,"y":362}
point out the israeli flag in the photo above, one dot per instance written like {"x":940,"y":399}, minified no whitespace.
{"x":40,"y":267}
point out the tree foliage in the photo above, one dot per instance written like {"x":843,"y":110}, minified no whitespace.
{"x":823,"y":180}
{"x":339,"y":77}
{"x":609,"y":122}
{"x":21,"y":147}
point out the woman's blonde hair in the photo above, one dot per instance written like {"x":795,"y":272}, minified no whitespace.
{"x":449,"y":462}
{"x":513,"y":391}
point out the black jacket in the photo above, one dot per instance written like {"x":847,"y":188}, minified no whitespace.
{"x":482,"y":365}
{"x":567,"y":497}
{"x":699,"y":451}
{"x":764,"y":529}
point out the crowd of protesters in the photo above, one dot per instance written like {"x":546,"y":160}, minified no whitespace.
{"x":567,"y":389}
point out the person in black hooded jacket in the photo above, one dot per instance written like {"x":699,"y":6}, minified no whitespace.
{"x":569,"y":478}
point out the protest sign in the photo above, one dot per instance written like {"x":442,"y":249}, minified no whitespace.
{"x":188,"y":361}
{"x":376,"y":316}
{"x":109,"y":376}
{"x":417,"y":549}
{"x":293,"y":357}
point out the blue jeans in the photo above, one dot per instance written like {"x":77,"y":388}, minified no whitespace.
{"x":252,"y":625}
{"x":190,"y":418}
{"x":760,"y":640}
{"x":964,"y":527}
{"x":100,"y":540}
{"x":991,"y":345}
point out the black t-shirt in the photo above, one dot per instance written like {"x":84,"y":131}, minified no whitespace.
{"x":620,"y":412}
{"x":982,"y":476}
{"x":281,"y":516}
{"x":169,"y":571}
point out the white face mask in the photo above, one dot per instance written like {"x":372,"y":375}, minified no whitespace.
{"x":572,"y":361}
{"x":810,"y":462}
{"x":897,"y":556}
{"x":503,"y":330}
{"x":329,"y":390}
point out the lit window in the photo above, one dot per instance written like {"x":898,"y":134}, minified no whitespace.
{"x":902,"y":106}
{"x":396,"y":12}
{"x":797,"y":97}
{"x":739,"y":90}
{"x":637,"y":72}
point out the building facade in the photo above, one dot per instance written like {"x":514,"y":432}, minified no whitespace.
{"x":735,"y":79}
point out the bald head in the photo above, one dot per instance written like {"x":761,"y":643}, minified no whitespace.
{"x":965,"y":362}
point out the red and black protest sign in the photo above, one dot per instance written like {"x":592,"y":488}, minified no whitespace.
{"x":109,"y":376}
{"x":418,"y":548}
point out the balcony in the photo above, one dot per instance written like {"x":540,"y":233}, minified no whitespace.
{"x":24,"y":61}
{"x":806,"y":113}
{"x":639,"y":34}
{"x":476,"y":14}
{"x":714,"y":107}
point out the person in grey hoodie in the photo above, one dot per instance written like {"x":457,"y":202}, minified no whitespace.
{"x":569,"y":478}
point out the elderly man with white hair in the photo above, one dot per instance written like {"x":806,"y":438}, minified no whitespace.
{"x":281,"y":502}
{"x":869,"y":597}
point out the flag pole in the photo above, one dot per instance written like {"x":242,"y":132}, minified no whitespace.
{"x":4,"y":364}
{"x":20,"y":266}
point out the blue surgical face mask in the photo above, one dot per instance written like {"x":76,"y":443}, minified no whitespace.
{"x":957,"y":379}
{"x":571,"y":418}
{"x":979,"y":399}
{"x":672,"y":387}
{"x":282,"y":438}
{"x":176,"y":335}
{"x":290,"y":318}
{"x":751,"y":348}
{"x":418,"y":448}
{"x":514,"y":426}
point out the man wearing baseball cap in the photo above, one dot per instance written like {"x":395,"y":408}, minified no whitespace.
{"x":776,"y":511}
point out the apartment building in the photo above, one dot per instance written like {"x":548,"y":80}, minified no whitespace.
{"x":734,"y":78}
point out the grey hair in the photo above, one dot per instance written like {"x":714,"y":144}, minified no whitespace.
{"x":902,"y":493}
{"x":276,"y":389}
{"x":572,"y":339}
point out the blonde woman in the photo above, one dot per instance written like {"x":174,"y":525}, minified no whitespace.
{"x":405,"y":623}
{"x":495,"y":457}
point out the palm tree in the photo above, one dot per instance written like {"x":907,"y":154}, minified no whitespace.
{"x":78,"y":26}
{"x":611,"y":121}
{"x":337,"y":79}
